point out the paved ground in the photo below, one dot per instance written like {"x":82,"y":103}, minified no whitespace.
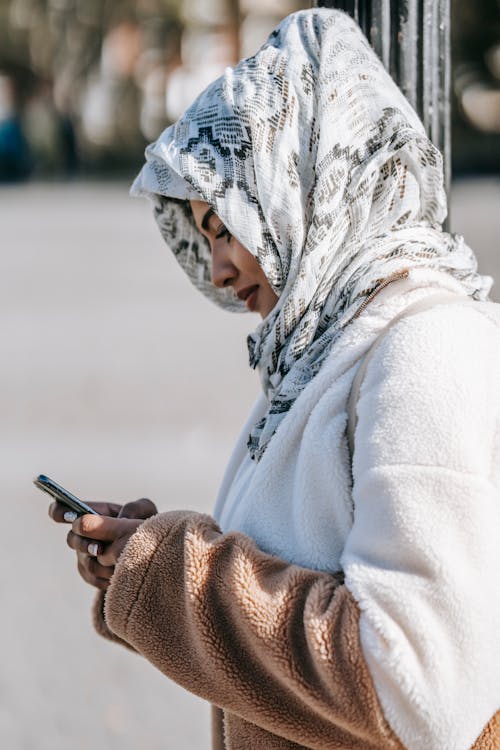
{"x":119,"y":381}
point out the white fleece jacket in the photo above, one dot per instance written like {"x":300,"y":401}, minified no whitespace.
{"x":416,"y":527}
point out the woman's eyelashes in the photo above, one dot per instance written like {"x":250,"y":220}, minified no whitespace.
{"x":223,"y":231}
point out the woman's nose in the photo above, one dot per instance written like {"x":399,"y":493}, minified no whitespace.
{"x":223,"y":272}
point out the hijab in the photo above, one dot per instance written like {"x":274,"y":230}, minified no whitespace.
{"x":314,"y":160}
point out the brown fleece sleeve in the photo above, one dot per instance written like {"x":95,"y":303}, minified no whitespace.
{"x":100,"y":624}
{"x":490,"y":736}
{"x":275,"y":644}
{"x":217,"y":721}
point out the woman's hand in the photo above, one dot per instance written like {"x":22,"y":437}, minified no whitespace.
{"x":99,"y":540}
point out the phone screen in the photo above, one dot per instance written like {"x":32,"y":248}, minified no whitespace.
{"x":63,"y":496}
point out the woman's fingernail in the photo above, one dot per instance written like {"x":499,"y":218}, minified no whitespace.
{"x":93,"y":549}
{"x":70,"y":516}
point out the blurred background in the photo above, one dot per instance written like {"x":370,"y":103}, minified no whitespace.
{"x":85,"y":84}
{"x":117,"y":379}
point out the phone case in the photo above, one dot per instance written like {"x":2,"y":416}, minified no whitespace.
{"x":63,"y":496}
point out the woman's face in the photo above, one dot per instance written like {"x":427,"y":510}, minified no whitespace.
{"x":232,"y":264}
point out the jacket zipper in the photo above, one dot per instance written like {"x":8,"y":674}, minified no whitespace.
{"x":394,"y":277}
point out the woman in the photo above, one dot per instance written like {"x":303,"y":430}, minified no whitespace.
{"x":325,"y":605}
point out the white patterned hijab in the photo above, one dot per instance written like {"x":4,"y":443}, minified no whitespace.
{"x":312,"y":158}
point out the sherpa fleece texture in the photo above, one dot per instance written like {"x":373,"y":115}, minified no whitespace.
{"x":274,"y":644}
{"x":256,"y":616}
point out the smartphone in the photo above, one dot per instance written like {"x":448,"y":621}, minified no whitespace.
{"x":63,"y":496}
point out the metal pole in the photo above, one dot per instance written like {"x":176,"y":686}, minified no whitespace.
{"x":412,"y":38}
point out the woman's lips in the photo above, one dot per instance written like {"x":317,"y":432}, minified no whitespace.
{"x":249,"y":296}
{"x":251,"y":300}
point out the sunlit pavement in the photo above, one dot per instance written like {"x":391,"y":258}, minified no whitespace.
{"x":120,"y":381}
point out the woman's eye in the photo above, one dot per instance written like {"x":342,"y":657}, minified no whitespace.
{"x":223,"y":232}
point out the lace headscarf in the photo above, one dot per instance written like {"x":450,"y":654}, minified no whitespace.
{"x":312,"y":158}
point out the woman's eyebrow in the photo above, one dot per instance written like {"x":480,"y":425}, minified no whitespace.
{"x":206,"y":219}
